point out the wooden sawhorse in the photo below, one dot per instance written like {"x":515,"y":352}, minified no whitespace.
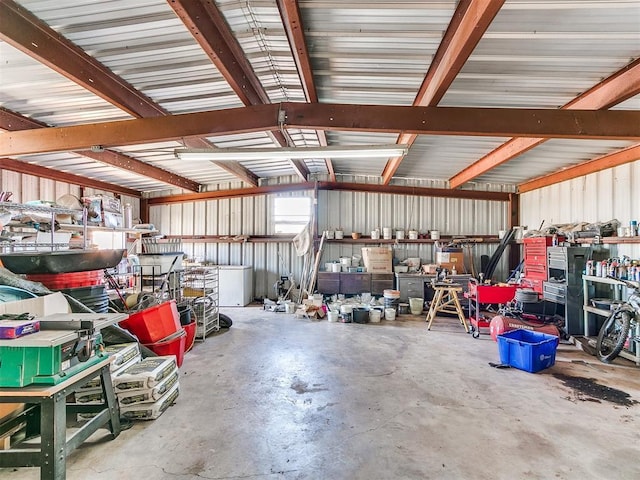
{"x":446,"y":300}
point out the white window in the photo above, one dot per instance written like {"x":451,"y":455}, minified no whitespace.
{"x":291,"y":214}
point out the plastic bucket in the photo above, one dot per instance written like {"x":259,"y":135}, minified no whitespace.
{"x":416,"y":305}
{"x":172,"y":345}
{"x":332,"y":316}
{"x":290,"y":307}
{"x":389,"y":313}
{"x":360,"y":315}
{"x":375,"y":315}
{"x":185,"y":315}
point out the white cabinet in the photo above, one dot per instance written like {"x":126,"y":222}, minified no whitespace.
{"x":235,"y":285}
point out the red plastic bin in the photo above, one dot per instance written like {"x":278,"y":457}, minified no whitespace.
{"x":155,"y":323}
{"x":172,"y":345}
{"x":191,"y":329}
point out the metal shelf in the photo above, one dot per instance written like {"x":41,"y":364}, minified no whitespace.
{"x":200,"y":291}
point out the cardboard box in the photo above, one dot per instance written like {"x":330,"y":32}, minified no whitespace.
{"x":377,"y":259}
{"x":450,"y":259}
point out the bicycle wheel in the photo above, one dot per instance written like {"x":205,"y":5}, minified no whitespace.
{"x":612,"y":336}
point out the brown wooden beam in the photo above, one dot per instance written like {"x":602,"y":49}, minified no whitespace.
{"x":35,"y":38}
{"x":417,"y":191}
{"x":292,"y":21}
{"x":210,"y":29}
{"x":339,"y":186}
{"x":626,"y":155}
{"x":617,"y":88}
{"x":231,"y":193}
{"x":23,"y":30}
{"x":13,"y":121}
{"x":514,"y":220}
{"x":577,"y":124}
{"x":468,"y":25}
{"x":125,"y":162}
{"x":50,"y":173}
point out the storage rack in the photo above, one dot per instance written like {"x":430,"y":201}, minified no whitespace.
{"x":43,"y":210}
{"x":594,"y":317}
{"x":200,"y":291}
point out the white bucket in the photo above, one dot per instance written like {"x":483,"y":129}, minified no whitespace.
{"x":375,"y":316}
{"x":400,"y":234}
{"x":338,"y":234}
{"x":346,"y":261}
{"x":389,"y":313}
{"x":386,"y":233}
{"x":329,"y":234}
{"x":435,"y":235}
{"x":375,"y":234}
{"x":332,"y":316}
{"x":413,"y":234}
{"x":416,"y":305}
{"x":336,"y":267}
{"x":289,"y":307}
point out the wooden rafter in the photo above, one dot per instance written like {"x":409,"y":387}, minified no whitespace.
{"x":210,"y":29}
{"x":292,"y":21}
{"x":44,"y":172}
{"x":472,"y":121}
{"x":617,"y":88}
{"x":13,"y":121}
{"x":30,"y":35}
{"x":468,"y":24}
{"x":342,"y":186}
{"x":620,"y":157}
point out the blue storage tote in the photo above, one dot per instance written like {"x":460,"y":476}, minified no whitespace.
{"x":527,"y":350}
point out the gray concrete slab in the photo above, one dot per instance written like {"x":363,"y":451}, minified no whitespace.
{"x":277,"y":397}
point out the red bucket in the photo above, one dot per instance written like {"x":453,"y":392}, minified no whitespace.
{"x":190,"y":328}
{"x":155,"y":323}
{"x":172,"y":345}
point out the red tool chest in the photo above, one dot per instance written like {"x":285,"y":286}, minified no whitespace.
{"x":535,"y":261}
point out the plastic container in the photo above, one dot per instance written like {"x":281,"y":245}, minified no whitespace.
{"x":332,"y":316}
{"x":172,"y":345}
{"x":57,"y":281}
{"x":190,"y":330}
{"x":154,"y":323}
{"x":416,"y":305}
{"x":527,"y":350}
{"x":375,"y":315}
{"x":389,"y":313}
{"x":360,"y":315}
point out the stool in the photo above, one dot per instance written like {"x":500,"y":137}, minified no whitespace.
{"x":446,"y":300}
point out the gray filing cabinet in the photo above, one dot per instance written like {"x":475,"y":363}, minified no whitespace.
{"x":416,"y":285}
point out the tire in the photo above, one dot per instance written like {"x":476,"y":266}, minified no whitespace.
{"x":612,"y":336}
{"x":224,"y":321}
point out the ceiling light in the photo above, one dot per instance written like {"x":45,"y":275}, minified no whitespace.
{"x":356,"y":151}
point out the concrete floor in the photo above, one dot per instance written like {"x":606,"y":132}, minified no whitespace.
{"x":277,"y":397}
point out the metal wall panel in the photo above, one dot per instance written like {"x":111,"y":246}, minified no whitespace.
{"x":351,"y":211}
{"x":598,"y":197}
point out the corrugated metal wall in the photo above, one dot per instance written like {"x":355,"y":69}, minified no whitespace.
{"x":599,"y":197}
{"x":352,"y":211}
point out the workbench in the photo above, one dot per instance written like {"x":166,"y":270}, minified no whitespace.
{"x":46,"y":415}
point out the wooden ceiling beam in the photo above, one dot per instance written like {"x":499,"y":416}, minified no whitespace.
{"x":472,"y":121}
{"x":338,"y":186}
{"x":13,"y":121}
{"x":292,"y":21}
{"x":620,"y":157}
{"x":210,"y":29}
{"x":615,"y":89}
{"x":44,"y":172}
{"x":468,"y":24}
{"x":35,"y":38}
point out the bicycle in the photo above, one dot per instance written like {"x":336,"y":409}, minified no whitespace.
{"x":614,"y":332}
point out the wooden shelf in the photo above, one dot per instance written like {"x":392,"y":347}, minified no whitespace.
{"x":609,"y":240}
{"x":471,"y":240}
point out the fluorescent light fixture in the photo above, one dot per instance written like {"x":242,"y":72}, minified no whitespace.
{"x":355,"y":151}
